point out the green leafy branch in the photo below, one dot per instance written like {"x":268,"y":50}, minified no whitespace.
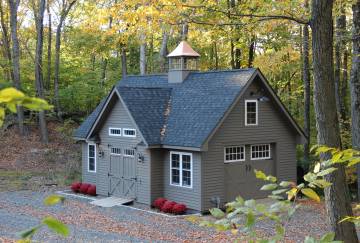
{"x":50,"y":222}
{"x":348,"y":157}
{"x":285,"y":193}
{"x":10,"y":98}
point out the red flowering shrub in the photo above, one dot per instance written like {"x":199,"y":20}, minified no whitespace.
{"x":75,"y":186}
{"x":179,"y":208}
{"x":91,"y":190}
{"x":168,"y":206}
{"x":158,"y":203}
{"x":84,"y":187}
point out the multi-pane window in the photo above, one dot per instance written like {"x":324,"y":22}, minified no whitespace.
{"x":186,"y":170}
{"x":190,"y":63}
{"x":175,"y":63}
{"x":129,"y":152}
{"x":260,"y":151}
{"x":114,"y":131}
{"x":181,"y":169}
{"x":115,"y":151}
{"x":175,"y":169}
{"x":127,"y":132}
{"x":91,"y":158}
{"x":234,"y":153}
{"x":251,"y":112}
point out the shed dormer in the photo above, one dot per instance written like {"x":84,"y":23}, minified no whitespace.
{"x":182,"y":61}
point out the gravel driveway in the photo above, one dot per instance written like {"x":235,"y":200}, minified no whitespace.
{"x":24,"y":209}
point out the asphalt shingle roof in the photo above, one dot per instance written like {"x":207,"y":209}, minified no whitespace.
{"x":195,"y":106}
{"x":147,"y":106}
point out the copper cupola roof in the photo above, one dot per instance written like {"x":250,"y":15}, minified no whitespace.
{"x":183,"y":49}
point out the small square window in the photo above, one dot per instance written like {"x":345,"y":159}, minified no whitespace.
{"x":234,"y":154}
{"x":261,"y":151}
{"x":129,"y":152}
{"x":114,"y":131}
{"x":127,"y":132}
{"x":115,"y":151}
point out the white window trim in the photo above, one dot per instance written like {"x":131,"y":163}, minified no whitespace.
{"x":115,"y":135}
{"x":129,"y":156}
{"x":263,"y":158}
{"x":180,"y":170}
{"x":232,"y":161}
{"x":128,"y":136}
{"x":115,"y":153}
{"x":257,"y":112}
{"x":88,"y":158}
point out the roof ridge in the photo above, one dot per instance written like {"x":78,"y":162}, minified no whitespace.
{"x":207,"y":71}
{"x":146,"y":75}
{"x":226,"y":70}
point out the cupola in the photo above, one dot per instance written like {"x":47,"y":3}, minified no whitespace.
{"x":182,"y":61}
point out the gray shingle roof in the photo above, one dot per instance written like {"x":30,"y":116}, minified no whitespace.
{"x":147,"y":106}
{"x":196,"y":105}
{"x":83,"y":130}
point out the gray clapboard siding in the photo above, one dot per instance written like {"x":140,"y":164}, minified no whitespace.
{"x":119,"y":117}
{"x":272,"y":128}
{"x":189,"y":196}
{"x":157,"y":173}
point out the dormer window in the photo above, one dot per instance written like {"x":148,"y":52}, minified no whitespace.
{"x":251,"y":112}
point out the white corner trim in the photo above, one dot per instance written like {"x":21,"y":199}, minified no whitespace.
{"x":257,"y":111}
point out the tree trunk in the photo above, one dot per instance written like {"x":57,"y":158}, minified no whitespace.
{"x":13,"y":5}
{"x":57,"y":69}
{"x":339,"y":48}
{"x":38,"y":67}
{"x":163,"y":52}
{"x":232,"y":54}
{"x":344,"y":86}
{"x":143,"y":55}
{"x":184,"y":31}
{"x":6,"y":42}
{"x":103,"y":71}
{"x":48,"y":73}
{"x":123,"y":62}
{"x":64,"y":12}
{"x":216,"y":56}
{"x":355,"y":83}
{"x":337,"y":198}
{"x":237,"y":58}
{"x":307,"y":86}
{"x":251,"y":51}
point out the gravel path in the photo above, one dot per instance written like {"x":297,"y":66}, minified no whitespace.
{"x":24,"y":209}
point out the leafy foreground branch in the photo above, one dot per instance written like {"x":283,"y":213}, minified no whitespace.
{"x":50,"y":222}
{"x":241,"y":216}
{"x":11,"y":98}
